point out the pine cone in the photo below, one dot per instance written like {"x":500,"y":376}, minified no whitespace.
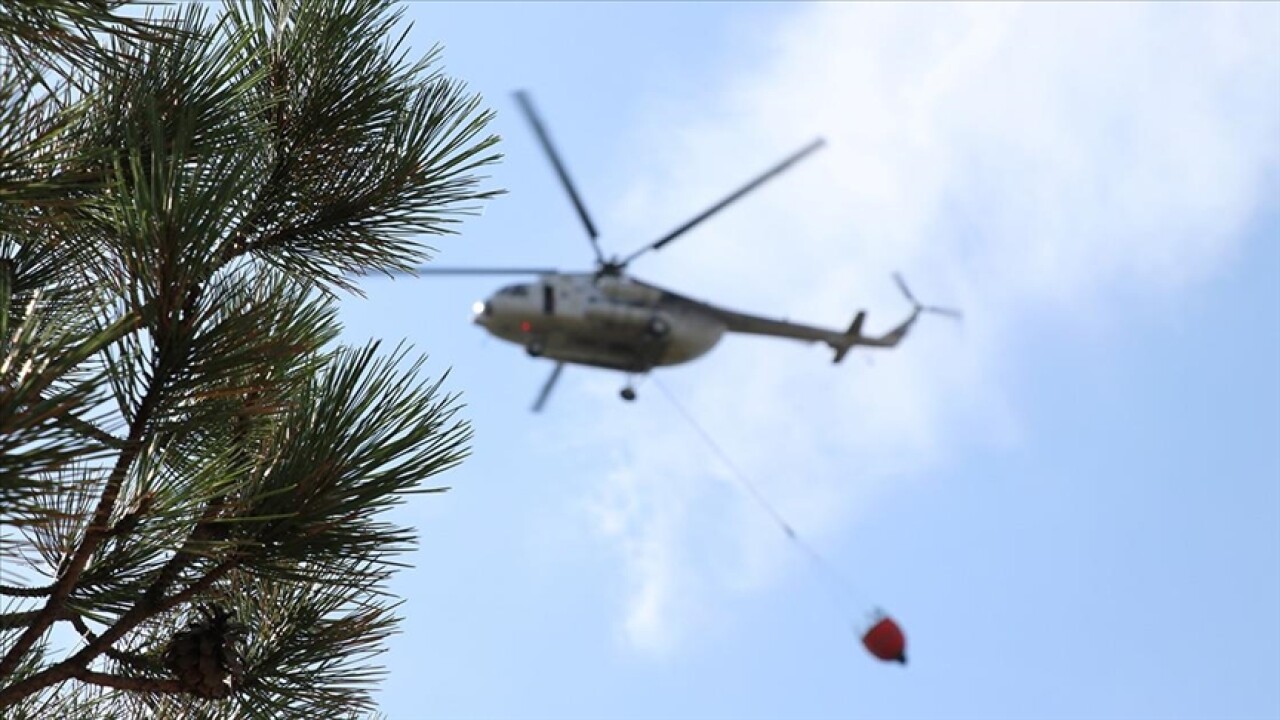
{"x":205,"y":658}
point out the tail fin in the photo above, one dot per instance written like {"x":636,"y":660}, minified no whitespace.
{"x":845,"y":342}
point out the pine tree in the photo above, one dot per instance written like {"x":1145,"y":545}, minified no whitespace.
{"x":194,"y":471}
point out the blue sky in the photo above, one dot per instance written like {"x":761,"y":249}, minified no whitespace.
{"x":1071,"y":501}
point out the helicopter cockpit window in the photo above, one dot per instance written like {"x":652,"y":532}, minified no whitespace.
{"x":515,"y":290}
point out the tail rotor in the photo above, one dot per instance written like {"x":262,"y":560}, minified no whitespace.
{"x":921,"y":308}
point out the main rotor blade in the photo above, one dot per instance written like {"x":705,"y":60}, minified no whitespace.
{"x":532,"y":116}
{"x":475,"y":271}
{"x":793,"y":159}
{"x":546,"y":387}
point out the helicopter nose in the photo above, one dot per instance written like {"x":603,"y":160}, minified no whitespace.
{"x":480,"y":311}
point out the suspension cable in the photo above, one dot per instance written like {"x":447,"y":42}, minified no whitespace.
{"x":843,"y":592}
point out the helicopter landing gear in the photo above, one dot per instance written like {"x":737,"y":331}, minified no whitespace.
{"x":628,"y":392}
{"x":535,"y":348}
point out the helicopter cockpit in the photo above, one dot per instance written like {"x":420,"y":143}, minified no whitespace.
{"x":519,"y":290}
{"x":510,"y":299}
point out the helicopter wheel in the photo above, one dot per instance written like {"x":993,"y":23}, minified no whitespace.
{"x":535,"y":348}
{"x":628,"y":394}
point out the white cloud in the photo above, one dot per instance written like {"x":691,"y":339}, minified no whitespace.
{"x":1019,"y":161}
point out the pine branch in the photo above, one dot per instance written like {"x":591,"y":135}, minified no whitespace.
{"x":363,"y":151}
{"x":75,"y":666}
{"x":37,"y":33}
{"x":127,"y":524}
{"x":230,"y":173}
{"x":135,"y":684}
{"x":93,"y":537}
{"x":193,"y":591}
{"x":34,"y":592}
{"x":17,"y":620}
{"x":20,"y":619}
{"x":88,"y":429}
{"x":124,"y":657}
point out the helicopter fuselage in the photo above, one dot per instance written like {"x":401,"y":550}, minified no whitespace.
{"x":607,"y":321}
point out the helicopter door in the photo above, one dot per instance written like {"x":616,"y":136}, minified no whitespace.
{"x":548,"y":300}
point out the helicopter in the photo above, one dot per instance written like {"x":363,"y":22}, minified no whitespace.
{"x":605,"y":318}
